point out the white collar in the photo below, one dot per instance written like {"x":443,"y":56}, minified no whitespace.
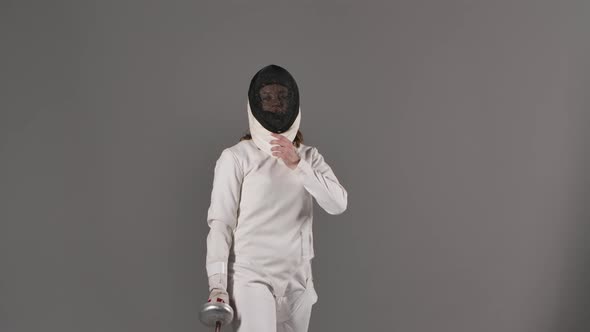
{"x":262,"y":136}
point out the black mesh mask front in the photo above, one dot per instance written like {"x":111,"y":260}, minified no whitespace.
{"x":274,"y":98}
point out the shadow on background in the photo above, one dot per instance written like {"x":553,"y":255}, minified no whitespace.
{"x":574,"y":314}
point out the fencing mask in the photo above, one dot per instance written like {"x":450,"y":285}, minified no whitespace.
{"x":273,"y":106}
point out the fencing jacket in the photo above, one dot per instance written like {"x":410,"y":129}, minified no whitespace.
{"x":261,"y":211}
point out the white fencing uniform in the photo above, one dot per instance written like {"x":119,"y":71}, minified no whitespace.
{"x":257,"y":309}
{"x":260,"y":221}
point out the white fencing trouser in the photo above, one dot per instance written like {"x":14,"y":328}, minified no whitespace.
{"x":258,"y":310}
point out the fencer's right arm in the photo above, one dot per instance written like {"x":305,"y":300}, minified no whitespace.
{"x":222,"y":217}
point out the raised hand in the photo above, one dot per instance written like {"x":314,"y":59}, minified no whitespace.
{"x":285,"y":150}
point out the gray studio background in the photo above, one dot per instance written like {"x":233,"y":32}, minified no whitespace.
{"x":457,"y":127}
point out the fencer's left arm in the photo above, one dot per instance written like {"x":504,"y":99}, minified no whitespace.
{"x":321,"y":182}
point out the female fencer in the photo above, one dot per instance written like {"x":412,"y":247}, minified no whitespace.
{"x":260,"y":241}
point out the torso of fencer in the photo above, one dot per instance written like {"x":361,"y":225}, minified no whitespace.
{"x":273,"y":237}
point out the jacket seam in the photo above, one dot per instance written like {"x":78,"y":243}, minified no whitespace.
{"x":237,"y":161}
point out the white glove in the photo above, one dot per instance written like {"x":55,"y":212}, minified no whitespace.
{"x":218,"y":295}
{"x":218,"y":280}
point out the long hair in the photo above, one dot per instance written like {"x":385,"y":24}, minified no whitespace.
{"x":298,"y":138}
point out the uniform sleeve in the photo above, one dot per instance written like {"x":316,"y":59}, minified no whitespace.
{"x":222,"y":216}
{"x":319,"y":180}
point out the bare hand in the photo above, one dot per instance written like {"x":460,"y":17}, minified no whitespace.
{"x":285,"y":150}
